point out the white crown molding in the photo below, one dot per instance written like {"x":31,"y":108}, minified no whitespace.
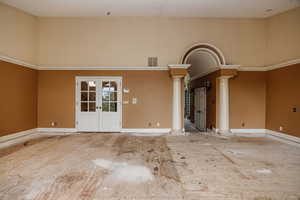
{"x":17,"y":62}
{"x":229,"y":66}
{"x":179,"y":66}
{"x":284,"y":64}
{"x":105,"y":68}
{"x":172,"y":66}
{"x":266,"y":68}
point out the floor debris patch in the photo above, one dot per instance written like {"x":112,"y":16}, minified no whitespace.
{"x":118,"y":166}
{"x":124,"y":172}
{"x":264,"y":171}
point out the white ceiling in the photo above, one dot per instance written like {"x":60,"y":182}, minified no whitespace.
{"x":179,"y":8}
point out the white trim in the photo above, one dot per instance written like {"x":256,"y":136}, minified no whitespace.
{"x":17,"y":135}
{"x":238,"y":67}
{"x":229,"y":66}
{"x":145,"y":130}
{"x":224,"y":104}
{"x":17,"y":62}
{"x":249,"y":132}
{"x":283,"y":136}
{"x":208,"y":52}
{"x":284,"y":64}
{"x":179,"y":66}
{"x":266,"y":132}
{"x":206,"y":44}
{"x":104,"y":68}
{"x":78,"y":78}
{"x":63,"y":130}
{"x":266,"y":68}
{"x":176,"y":105}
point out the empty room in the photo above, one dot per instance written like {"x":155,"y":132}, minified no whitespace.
{"x":150,"y":100}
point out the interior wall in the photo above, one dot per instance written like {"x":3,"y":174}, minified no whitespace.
{"x":283,"y":39}
{"x":18,"y":34}
{"x":153,"y":90}
{"x":247,"y":100}
{"x":18,"y":100}
{"x":283,"y":94}
{"x":129,"y":41}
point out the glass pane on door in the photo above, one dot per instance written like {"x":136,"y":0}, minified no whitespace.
{"x":109,"y":96}
{"x":88,"y":96}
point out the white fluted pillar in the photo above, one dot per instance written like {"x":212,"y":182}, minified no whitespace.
{"x":177,"y":72}
{"x":176,"y":113}
{"x":224,"y":104}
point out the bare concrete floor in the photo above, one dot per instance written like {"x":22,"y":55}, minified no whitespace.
{"x":183,"y":167}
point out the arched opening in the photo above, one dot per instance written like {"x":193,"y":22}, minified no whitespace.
{"x":200,"y":88}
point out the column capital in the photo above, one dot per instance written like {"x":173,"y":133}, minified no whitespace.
{"x":225,"y":77}
{"x":178,"y":70}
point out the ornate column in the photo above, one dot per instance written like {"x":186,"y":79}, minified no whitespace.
{"x":177,"y":72}
{"x":224,"y":104}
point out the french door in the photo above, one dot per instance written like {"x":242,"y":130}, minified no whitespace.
{"x":99,"y":104}
{"x":200,"y":108}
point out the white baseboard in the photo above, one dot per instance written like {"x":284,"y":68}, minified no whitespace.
{"x":124,"y":130}
{"x":55,"y":130}
{"x":249,"y":132}
{"x":283,"y":136}
{"x":146,"y":130}
{"x":265,"y":132}
{"x":16,"y":135}
{"x":17,"y":138}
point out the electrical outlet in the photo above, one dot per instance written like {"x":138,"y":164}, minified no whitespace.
{"x":53,"y":123}
{"x":294,"y":109}
{"x":280,"y":128}
{"x":158,"y":124}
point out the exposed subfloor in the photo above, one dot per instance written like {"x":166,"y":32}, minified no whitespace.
{"x":114,"y":166}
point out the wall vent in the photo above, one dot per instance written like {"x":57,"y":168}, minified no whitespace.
{"x":152,"y":61}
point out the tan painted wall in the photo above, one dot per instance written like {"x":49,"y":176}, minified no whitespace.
{"x":128,"y":41}
{"x":247,"y":100}
{"x":153,"y":89}
{"x":18,"y":99}
{"x":283,"y":94}
{"x":283,"y":41}
{"x":18,"y":35}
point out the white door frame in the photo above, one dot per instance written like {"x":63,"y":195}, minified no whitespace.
{"x":77,"y":78}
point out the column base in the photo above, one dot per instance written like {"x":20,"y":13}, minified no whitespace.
{"x":225,"y":133}
{"x":178,"y":133}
